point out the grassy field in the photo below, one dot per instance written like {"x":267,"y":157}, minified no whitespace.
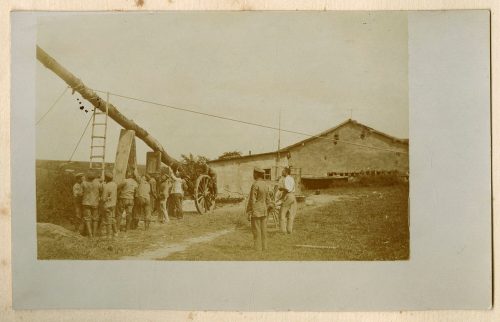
{"x":56,"y":242}
{"x":359,"y":223}
{"x":367,"y":223}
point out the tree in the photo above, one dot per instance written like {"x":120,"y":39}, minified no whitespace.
{"x":230,"y":155}
{"x":191,"y":168}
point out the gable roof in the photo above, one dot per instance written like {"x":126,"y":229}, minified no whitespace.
{"x":333,"y":129}
{"x":320,"y":135}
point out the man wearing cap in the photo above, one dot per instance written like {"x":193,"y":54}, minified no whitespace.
{"x":127,"y":190}
{"x":177,"y":194}
{"x":91,"y":189}
{"x":211,"y":173}
{"x":109,"y":192}
{"x":77,"y":202}
{"x":144,"y":201}
{"x":289,"y":203}
{"x":258,"y":202}
{"x":153,"y":183}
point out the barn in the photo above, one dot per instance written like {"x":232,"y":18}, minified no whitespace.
{"x":345,"y":150}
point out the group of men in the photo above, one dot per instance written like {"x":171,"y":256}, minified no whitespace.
{"x":107,"y":203}
{"x":260,"y":204}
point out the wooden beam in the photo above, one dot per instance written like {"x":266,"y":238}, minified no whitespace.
{"x":87,"y":93}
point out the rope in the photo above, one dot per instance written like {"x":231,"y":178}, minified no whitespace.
{"x":52,"y":106}
{"x":80,"y":139}
{"x":249,"y":123}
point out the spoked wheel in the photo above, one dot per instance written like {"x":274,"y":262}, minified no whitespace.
{"x":274,"y":212}
{"x":204,"y":197}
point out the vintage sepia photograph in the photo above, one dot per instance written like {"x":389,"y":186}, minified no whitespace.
{"x":222,"y":136}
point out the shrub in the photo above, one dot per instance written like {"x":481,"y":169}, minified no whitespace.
{"x":54,"y":196}
{"x":386,"y":179}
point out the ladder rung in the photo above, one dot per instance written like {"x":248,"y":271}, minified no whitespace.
{"x":102,"y":121}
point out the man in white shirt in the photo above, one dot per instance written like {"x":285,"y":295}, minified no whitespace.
{"x":289,"y":203}
{"x":177,"y":194}
{"x":77,"y":202}
{"x":165,"y":186}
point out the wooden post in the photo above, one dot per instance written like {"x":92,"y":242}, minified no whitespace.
{"x":125,"y":156}
{"x":153,"y":162}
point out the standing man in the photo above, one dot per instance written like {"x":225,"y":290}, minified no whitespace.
{"x":144,"y":201}
{"x":177,"y":194}
{"x":154,"y":193}
{"x":127,"y":190}
{"x":77,"y":202}
{"x":165,"y":186}
{"x":289,"y":203}
{"x":109,"y":193}
{"x":213,"y":187}
{"x":258,"y":201}
{"x":91,"y":190}
{"x":211,"y":173}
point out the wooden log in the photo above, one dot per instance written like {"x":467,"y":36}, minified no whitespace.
{"x":317,"y":246}
{"x":87,"y":93}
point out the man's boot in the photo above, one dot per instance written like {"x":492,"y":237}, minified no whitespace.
{"x":95,"y":230}
{"x":88,"y":224}
{"x":114,"y":230}
{"x":109,"y":232}
{"x":127,"y":223}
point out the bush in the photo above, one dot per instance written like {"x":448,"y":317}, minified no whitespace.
{"x":54,"y":196}
{"x":386,"y":179}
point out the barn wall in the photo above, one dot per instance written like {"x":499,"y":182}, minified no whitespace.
{"x":318,"y":157}
{"x":235,"y":177}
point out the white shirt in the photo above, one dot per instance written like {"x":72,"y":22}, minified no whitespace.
{"x":177,"y":187}
{"x":289,"y":184}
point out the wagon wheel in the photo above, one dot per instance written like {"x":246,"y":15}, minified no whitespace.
{"x":275,"y":210}
{"x":204,"y":197}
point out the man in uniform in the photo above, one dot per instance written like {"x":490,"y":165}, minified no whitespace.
{"x":77,"y":202}
{"x":289,"y":203}
{"x":258,"y":202}
{"x":109,"y":193}
{"x":165,"y":186}
{"x":213,"y":187}
{"x":154,"y":193}
{"x":91,"y":190}
{"x":144,"y":201}
{"x":127,"y":190}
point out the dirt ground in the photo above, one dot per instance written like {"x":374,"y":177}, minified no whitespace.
{"x":345,"y":223}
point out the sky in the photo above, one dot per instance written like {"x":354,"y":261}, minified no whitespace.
{"x":317,"y":68}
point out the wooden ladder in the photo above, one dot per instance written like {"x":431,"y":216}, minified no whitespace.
{"x":98,"y":139}
{"x":273,"y":219}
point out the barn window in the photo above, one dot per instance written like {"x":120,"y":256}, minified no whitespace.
{"x":335,"y":138}
{"x":267,"y":174}
{"x":363,"y":135}
{"x":324,"y":157}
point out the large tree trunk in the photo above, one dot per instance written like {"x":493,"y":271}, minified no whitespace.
{"x":77,"y":85}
